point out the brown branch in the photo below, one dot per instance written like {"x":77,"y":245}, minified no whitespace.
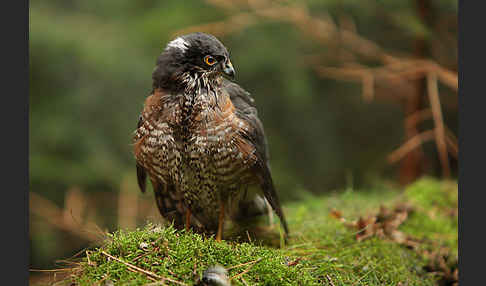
{"x":440,"y":140}
{"x":444,"y":142}
{"x":418,"y":117}
{"x":453,"y":149}
{"x":420,"y":69}
{"x":233,"y":24}
{"x":406,"y":70}
{"x":74,"y":206}
{"x":325,"y":31}
{"x":55,"y":216}
{"x":410,"y":145}
{"x":350,"y":74}
{"x":368,"y":92}
{"x":395,"y":70}
{"x":451,"y":140}
{"x":447,"y":77}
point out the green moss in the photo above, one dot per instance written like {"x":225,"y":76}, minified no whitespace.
{"x":334,"y":251}
{"x":184,"y":256}
{"x":431,"y":193}
{"x":435,"y":218}
{"x":320,"y":248}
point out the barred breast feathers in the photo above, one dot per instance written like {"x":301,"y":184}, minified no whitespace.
{"x":214,"y":122}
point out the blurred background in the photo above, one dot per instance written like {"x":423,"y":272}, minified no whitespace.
{"x":351,"y":93}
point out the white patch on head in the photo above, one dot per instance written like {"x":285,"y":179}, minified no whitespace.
{"x":178,"y":43}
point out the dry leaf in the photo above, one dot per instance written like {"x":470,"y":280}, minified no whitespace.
{"x":336,"y":214}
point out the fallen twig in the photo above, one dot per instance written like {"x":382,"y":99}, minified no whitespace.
{"x":243,"y":264}
{"x":251,"y":264}
{"x":146,"y":272}
{"x":242,"y":273}
{"x":51,"y":270}
{"x":244,"y":281}
{"x":329,"y":279}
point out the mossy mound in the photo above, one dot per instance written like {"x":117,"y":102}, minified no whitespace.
{"x":183,"y":257}
{"x":321,"y":250}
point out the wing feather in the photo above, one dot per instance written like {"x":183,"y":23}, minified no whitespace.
{"x":141,"y":174}
{"x":246,"y":110}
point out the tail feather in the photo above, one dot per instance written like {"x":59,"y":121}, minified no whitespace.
{"x":169,"y":208}
{"x":272,"y":197}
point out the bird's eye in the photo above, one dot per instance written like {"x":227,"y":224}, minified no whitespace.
{"x":209,"y":60}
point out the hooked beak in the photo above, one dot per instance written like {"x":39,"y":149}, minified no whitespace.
{"x":228,"y":69}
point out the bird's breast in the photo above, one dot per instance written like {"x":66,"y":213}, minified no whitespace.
{"x":216,"y":140}
{"x":200,"y":144}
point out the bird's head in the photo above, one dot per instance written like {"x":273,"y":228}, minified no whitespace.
{"x":192,"y":61}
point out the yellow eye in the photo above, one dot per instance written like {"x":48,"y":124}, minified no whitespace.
{"x":209,"y":60}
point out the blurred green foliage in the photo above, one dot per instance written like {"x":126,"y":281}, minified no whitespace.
{"x":90,"y":71}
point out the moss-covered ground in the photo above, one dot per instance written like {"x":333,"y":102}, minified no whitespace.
{"x":322,"y":248}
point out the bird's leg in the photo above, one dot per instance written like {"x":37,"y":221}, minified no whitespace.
{"x":188,"y":219}
{"x":219,"y":234}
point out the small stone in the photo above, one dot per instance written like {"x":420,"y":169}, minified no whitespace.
{"x":215,"y":275}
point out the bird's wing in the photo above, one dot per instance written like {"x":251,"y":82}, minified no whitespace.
{"x":246,"y":110}
{"x":141,"y":174}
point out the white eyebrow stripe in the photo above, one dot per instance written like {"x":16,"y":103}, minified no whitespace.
{"x":178,"y":43}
